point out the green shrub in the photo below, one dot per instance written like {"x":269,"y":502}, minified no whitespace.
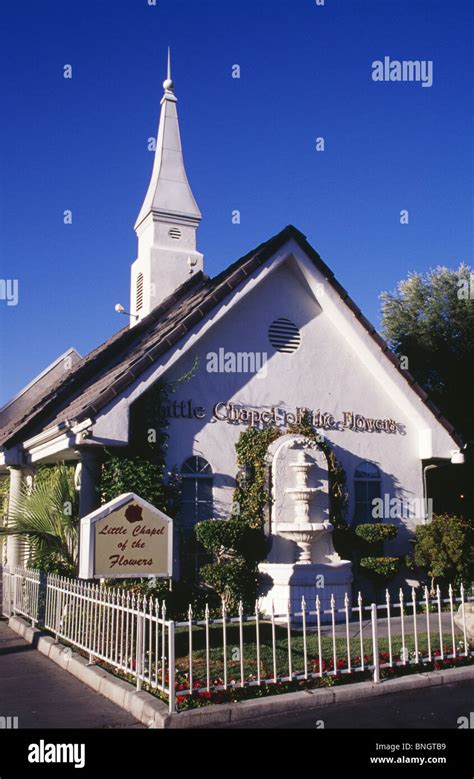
{"x":231,"y":538}
{"x":178,"y":600}
{"x":444,"y":548}
{"x":376,"y":533}
{"x":140,"y":467}
{"x":380,"y":568}
{"x":376,"y":566}
{"x":235,"y":581}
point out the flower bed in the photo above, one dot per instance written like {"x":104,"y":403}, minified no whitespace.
{"x":236,"y":693}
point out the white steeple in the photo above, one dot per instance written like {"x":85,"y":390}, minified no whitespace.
{"x":168,"y":219}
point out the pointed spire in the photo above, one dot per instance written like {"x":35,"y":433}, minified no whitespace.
{"x":168,"y":220}
{"x":168,"y":85}
{"x":169,"y":193}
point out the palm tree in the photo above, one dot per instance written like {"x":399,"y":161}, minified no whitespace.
{"x":46,"y":522}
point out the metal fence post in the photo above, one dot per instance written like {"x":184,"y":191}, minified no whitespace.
{"x":42,"y":593}
{"x":139,"y":648}
{"x":171,"y":668}
{"x":14,"y":594}
{"x":375,"y":643}
{"x":7,"y":592}
{"x":57,"y":616}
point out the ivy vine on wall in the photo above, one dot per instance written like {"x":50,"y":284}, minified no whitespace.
{"x":141,"y":466}
{"x":239,"y":544}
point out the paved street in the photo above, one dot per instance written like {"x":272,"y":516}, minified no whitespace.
{"x":436,"y":707}
{"x":40,"y":694}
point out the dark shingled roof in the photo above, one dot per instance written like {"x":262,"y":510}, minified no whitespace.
{"x":109,"y":369}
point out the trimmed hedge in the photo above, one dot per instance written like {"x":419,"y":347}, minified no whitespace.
{"x":380,"y":567}
{"x":375,"y":533}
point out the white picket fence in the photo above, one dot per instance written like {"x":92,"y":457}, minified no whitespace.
{"x":200,"y":656}
{"x":125,"y":631}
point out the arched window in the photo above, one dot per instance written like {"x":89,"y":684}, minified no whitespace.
{"x":366,"y":487}
{"x":196,"y":491}
{"x":139,"y":300}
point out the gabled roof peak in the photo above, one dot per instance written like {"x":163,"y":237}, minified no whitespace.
{"x":107,"y":371}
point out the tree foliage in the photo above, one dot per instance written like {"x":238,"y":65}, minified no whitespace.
{"x":445,"y":549}
{"x":45,"y":520}
{"x":141,"y":466}
{"x":429,"y":320}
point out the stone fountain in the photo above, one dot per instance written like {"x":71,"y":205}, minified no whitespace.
{"x":302,"y":530}
{"x":302,"y":560}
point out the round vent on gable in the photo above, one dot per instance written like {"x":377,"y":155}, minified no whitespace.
{"x":175,"y":233}
{"x":284,"y":335}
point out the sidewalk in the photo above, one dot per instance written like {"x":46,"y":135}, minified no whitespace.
{"x":41,"y":694}
{"x":395,"y":624}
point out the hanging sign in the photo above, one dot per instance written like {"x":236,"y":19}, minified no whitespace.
{"x":126,"y":538}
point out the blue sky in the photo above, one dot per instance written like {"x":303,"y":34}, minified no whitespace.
{"x":249,"y":144}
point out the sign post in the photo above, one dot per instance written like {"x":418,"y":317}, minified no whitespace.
{"x":126,"y":538}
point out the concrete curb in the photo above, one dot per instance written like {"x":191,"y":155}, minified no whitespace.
{"x":153,"y":713}
{"x":247,"y":711}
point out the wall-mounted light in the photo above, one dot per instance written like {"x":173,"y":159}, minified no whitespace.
{"x":120,"y":310}
{"x":192,"y":262}
{"x":457,"y":457}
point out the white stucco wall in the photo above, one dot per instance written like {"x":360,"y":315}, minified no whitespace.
{"x":325,"y":373}
{"x":338,"y":368}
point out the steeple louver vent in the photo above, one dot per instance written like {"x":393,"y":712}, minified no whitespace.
{"x":175,"y":233}
{"x":139,"y":300}
{"x":284,"y":336}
